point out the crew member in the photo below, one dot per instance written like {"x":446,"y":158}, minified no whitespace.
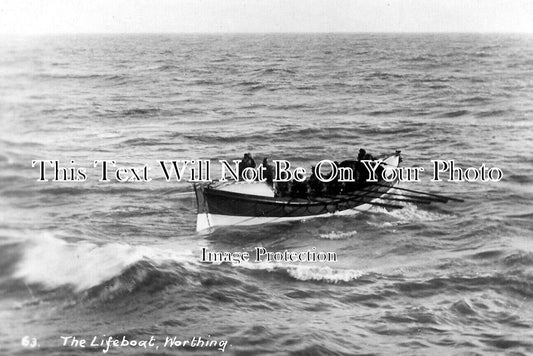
{"x":247,"y":161}
{"x":269,"y":171}
{"x":314,"y":185}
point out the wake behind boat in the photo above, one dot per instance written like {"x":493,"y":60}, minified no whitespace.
{"x":251,"y":203}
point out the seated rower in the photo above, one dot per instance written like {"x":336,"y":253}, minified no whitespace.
{"x":282,"y":189}
{"x":269,"y":172}
{"x":314,"y":185}
{"x":363,"y":155}
{"x":334,"y":187}
{"x":297,"y":189}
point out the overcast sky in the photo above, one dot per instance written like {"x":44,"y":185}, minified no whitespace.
{"x":125,"y":16}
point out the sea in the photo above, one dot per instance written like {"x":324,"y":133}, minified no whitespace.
{"x":110,"y":267}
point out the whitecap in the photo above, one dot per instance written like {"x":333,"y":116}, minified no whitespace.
{"x":335,"y":235}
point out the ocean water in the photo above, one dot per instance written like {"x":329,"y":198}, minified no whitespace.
{"x":98,"y":259}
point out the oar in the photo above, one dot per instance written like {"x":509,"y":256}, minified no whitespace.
{"x":335,"y":199}
{"x":417,"y":197}
{"x":427,"y":196}
{"x":420,"y":201}
{"x":379,"y":195}
{"x":443,"y":197}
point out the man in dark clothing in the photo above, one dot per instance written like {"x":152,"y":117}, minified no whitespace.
{"x":251,"y":161}
{"x":297,"y":189}
{"x":361,"y":155}
{"x":334,"y":187}
{"x":269,"y":171}
{"x":314,"y":185}
{"x":247,"y":161}
{"x":364,"y":156}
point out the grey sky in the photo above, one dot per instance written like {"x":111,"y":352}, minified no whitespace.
{"x":123,"y":16}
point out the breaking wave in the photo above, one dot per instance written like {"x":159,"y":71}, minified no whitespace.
{"x":409,"y":214}
{"x":52,"y":263}
{"x":304,"y":272}
{"x":337,"y":235}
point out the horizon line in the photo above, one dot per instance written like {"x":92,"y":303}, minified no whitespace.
{"x":22,"y":34}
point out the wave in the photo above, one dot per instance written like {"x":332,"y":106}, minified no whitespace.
{"x":491,"y":113}
{"x":419,"y":58}
{"x":409,"y":214}
{"x":9,"y":255}
{"x":516,"y":260}
{"x":46,"y":263}
{"x":319,"y":349}
{"x":505,"y":342}
{"x":248,"y":83}
{"x":456,"y":113}
{"x":386,"y":129}
{"x":269,"y":71}
{"x":140,"y":111}
{"x":519,"y":259}
{"x":141,"y":276}
{"x":463,"y":307}
{"x":75,"y":76}
{"x":79,"y":190}
{"x":328,"y":274}
{"x":5,"y":159}
{"x":207,"y":82}
{"x":482,"y":54}
{"x":50,"y":262}
{"x":147,"y":142}
{"x":500,"y":282}
{"x":224,"y":138}
{"x":384,"y":75}
{"x":475,"y":100}
{"x":304,"y":272}
{"x":335,"y":235}
{"x":167,"y":67}
{"x":519,"y":178}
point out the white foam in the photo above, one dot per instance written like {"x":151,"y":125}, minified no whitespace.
{"x":53,"y":262}
{"x":324,"y":273}
{"x":334,"y":235}
{"x":305,"y":272}
{"x":384,"y":223}
{"x":411,"y":213}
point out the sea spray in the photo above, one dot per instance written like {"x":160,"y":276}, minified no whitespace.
{"x":53,"y":262}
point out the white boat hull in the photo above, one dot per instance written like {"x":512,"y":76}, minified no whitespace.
{"x":206,"y":221}
{"x":231,"y":204}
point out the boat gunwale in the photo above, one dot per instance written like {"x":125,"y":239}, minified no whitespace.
{"x":297,"y":201}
